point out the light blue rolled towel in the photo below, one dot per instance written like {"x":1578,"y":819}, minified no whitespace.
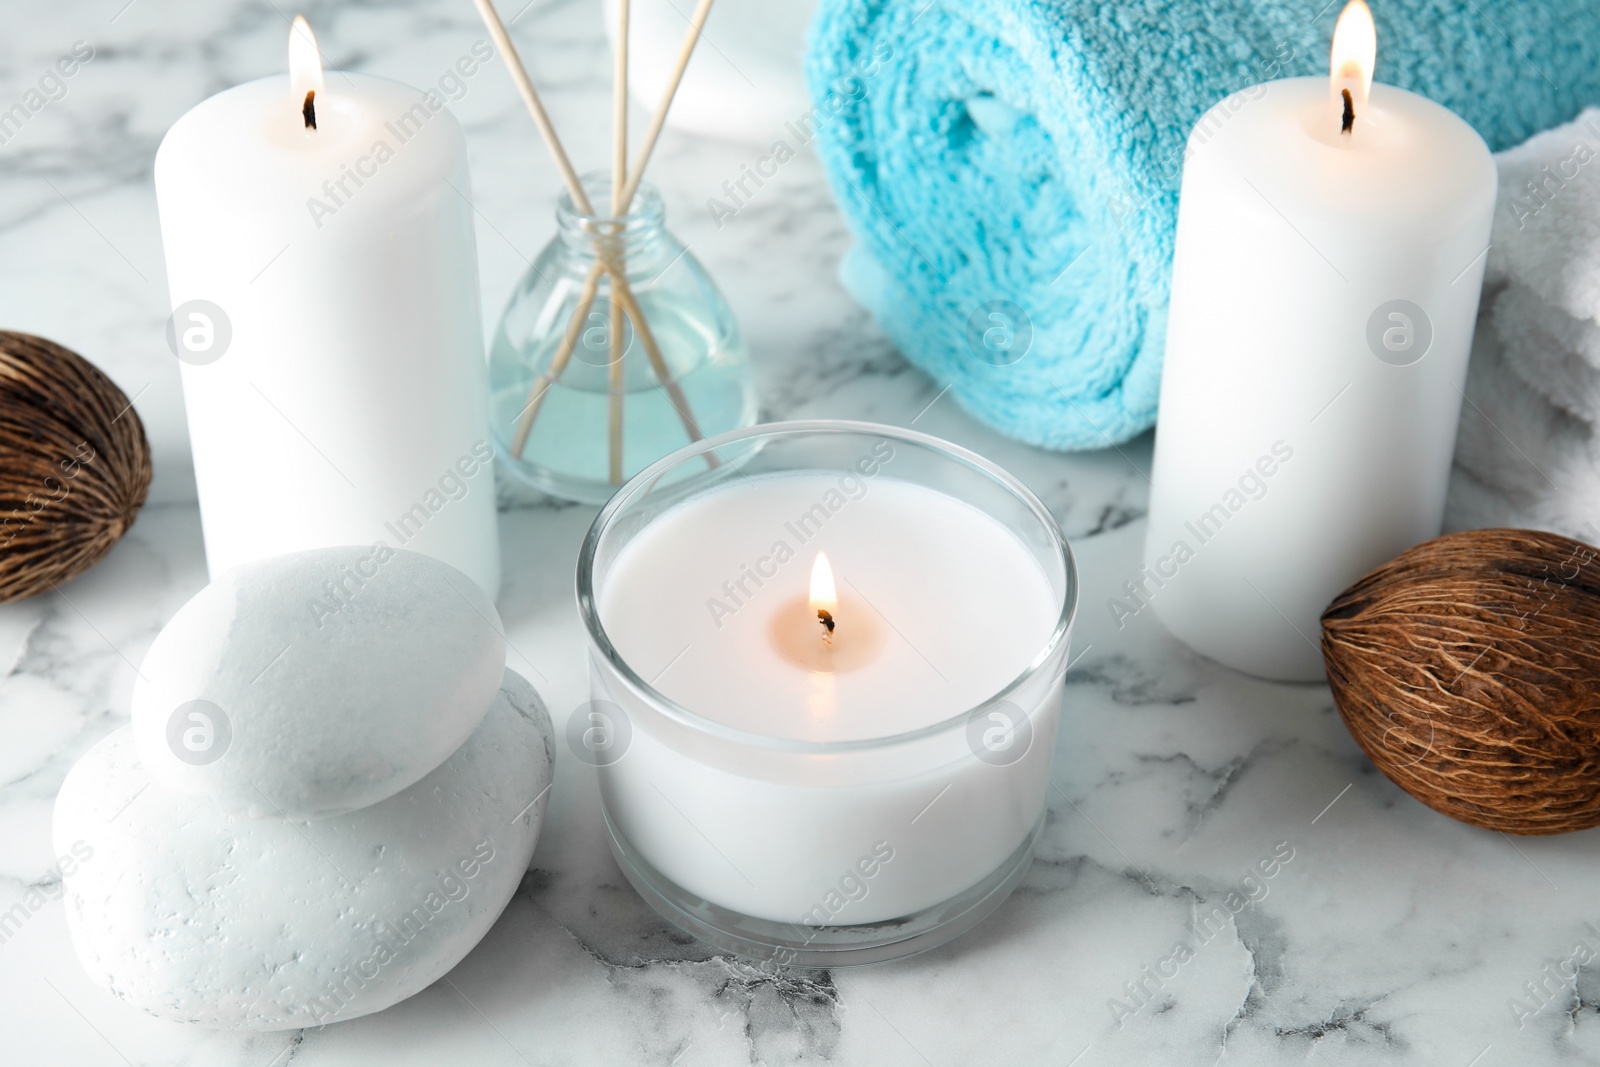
{"x":1010,"y":167}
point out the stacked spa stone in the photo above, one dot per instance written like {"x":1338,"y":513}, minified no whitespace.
{"x":330,"y":789}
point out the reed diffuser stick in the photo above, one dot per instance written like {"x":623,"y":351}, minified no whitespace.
{"x":530,"y":97}
{"x":619,"y":176}
{"x":619,"y":115}
{"x":569,"y":342}
{"x":614,"y":330}
{"x":691,"y":37}
{"x":658,"y":363}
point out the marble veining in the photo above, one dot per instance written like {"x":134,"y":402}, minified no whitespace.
{"x":1146,"y":931}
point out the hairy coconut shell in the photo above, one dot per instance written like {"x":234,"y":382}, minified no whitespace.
{"x":74,"y":465}
{"x":1468,"y":669}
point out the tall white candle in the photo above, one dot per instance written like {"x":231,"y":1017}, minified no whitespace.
{"x":937,"y":606}
{"x":1324,"y":290}
{"x":324,"y":286}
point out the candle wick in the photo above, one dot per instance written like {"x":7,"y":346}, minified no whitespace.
{"x":309,"y":111}
{"x":826,"y":618}
{"x":1349,"y":112}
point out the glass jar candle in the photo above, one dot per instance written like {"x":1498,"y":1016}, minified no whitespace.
{"x":827,"y":677}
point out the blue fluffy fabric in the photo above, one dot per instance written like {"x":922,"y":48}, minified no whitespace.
{"x":993,"y":156}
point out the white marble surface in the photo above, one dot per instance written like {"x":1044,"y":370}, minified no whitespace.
{"x":1392,"y":936}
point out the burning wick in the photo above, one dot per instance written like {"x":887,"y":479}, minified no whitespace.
{"x":305,"y":71}
{"x":1350,"y":63}
{"x":824,"y":599}
{"x":807,"y":630}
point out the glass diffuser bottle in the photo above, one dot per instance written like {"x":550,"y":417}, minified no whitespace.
{"x":581,"y":398}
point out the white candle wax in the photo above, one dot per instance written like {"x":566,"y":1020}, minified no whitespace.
{"x":1323,"y":297}
{"x":960,"y":609}
{"x":349,"y":404}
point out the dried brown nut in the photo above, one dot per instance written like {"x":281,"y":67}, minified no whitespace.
{"x":74,"y":465}
{"x":1468,"y":670}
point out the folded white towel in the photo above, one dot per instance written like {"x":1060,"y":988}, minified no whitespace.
{"x":1527,"y":453}
{"x":1556,"y":355}
{"x":1547,"y":224}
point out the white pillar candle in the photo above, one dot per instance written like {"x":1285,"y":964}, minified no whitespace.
{"x":789,"y":782}
{"x":324,"y":286}
{"x":1324,"y":291}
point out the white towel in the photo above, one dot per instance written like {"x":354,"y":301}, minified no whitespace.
{"x":1554,"y":354}
{"x":1527,"y":453}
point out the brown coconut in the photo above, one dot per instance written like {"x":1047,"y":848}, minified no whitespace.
{"x":1468,"y":670}
{"x":74,"y":465}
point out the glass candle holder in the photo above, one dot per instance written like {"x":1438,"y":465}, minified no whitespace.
{"x":580,"y":397}
{"x":877,"y":793}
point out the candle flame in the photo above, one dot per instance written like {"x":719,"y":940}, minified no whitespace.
{"x":823,"y":595}
{"x":305,"y":62}
{"x":1354,"y":54}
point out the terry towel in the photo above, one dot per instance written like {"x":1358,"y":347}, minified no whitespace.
{"x":1527,"y":454}
{"x":1010,"y":167}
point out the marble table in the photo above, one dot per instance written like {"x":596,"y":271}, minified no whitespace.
{"x":1386,"y":933}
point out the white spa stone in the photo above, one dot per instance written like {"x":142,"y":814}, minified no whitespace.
{"x":317,"y":682}
{"x":196,"y":915}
